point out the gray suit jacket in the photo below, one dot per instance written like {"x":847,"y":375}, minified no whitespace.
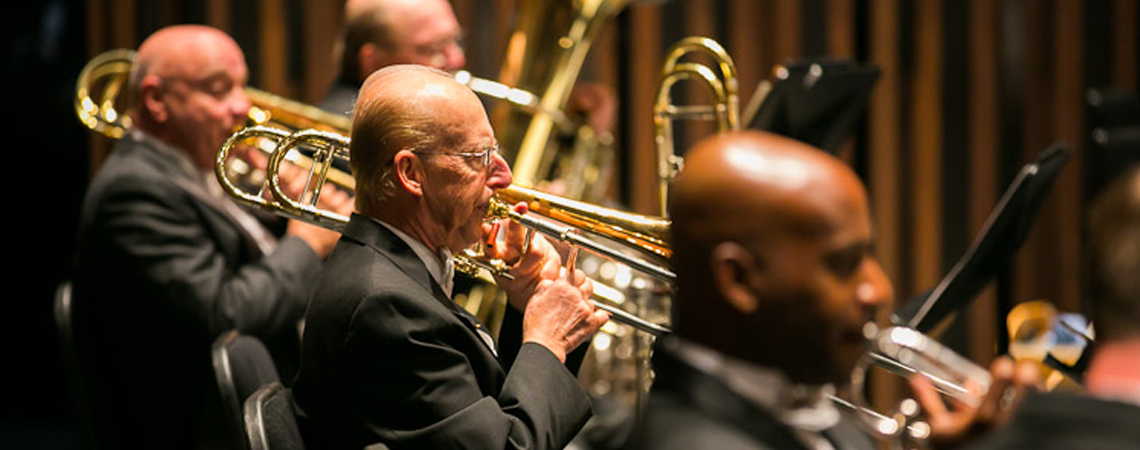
{"x":161,"y":269}
{"x":389,"y":358}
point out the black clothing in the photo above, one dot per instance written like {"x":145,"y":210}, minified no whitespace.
{"x":1058,"y":420}
{"x":162,"y":269}
{"x":389,"y":358}
{"x":689,"y":409}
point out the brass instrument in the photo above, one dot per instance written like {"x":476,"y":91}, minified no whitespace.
{"x":646,"y":234}
{"x":100,"y":104}
{"x":906,"y":352}
{"x":725,"y":110}
{"x":545,"y":54}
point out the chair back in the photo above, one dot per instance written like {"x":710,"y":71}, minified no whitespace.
{"x":242,"y":365}
{"x":271,"y":420}
{"x":65,"y":327}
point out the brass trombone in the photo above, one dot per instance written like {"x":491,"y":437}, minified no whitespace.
{"x":100,"y":105}
{"x":725,"y":110}
{"x":645,"y":234}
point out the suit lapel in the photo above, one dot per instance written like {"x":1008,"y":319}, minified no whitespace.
{"x":366,"y":231}
{"x":178,"y":174}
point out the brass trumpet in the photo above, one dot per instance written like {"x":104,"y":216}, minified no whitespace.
{"x":645,"y":234}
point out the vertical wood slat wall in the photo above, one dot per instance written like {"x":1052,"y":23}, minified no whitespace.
{"x":901,"y":143}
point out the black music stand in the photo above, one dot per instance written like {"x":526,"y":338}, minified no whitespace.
{"x":1004,"y":232}
{"x":817,"y":101}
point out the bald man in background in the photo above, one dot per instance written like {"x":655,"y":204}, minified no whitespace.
{"x":380,"y":33}
{"x":166,"y":261}
{"x":775,"y":282}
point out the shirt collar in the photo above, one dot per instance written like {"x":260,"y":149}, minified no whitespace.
{"x":205,"y":178}
{"x":439,"y":263}
{"x":800,"y":406}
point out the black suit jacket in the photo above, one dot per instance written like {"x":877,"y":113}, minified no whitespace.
{"x":689,"y":409}
{"x":341,"y":97}
{"x":161,"y":269}
{"x":1058,"y":420}
{"x":387,"y":357}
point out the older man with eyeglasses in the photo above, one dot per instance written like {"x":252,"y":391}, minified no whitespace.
{"x":388,"y":357}
{"x":166,"y":261}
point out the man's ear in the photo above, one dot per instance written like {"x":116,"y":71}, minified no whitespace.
{"x":151,"y":93}
{"x":371,"y":57}
{"x":734,"y":270}
{"x":408,"y":172}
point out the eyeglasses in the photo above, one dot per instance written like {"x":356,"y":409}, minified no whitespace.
{"x":485,"y":156}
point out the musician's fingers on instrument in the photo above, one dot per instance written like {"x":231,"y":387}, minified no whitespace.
{"x":600,"y":317}
{"x":928,"y":397}
{"x":999,"y":396}
{"x":1026,"y":377}
{"x":516,"y":237}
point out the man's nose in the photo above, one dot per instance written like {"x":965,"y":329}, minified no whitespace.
{"x":500,"y":173}
{"x":875,"y":290}
{"x":454,"y":58}
{"x":239,"y":105}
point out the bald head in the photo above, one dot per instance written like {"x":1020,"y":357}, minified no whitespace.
{"x":772,"y":242}
{"x":187,"y":89}
{"x":747,"y":186}
{"x":402,"y":107}
{"x":181,"y":51}
{"x":379,"y":33}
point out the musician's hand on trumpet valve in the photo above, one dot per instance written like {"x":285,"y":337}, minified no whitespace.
{"x":953,"y":425}
{"x":553,"y":298}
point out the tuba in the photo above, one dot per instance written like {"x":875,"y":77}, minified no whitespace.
{"x":544,"y":56}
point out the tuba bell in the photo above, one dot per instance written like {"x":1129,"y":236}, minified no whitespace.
{"x":545,"y":54}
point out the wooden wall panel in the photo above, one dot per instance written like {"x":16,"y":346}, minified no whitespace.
{"x":983,"y":150}
{"x":320,"y":31}
{"x":272,"y":39}
{"x":743,"y":37}
{"x":1036,"y":81}
{"x":642,"y":80}
{"x":925,"y":148}
{"x":884,"y":155}
{"x":1068,"y":115}
{"x":1126,"y":49}
{"x":841,"y":32}
{"x":219,"y":14}
{"x":884,"y":142}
